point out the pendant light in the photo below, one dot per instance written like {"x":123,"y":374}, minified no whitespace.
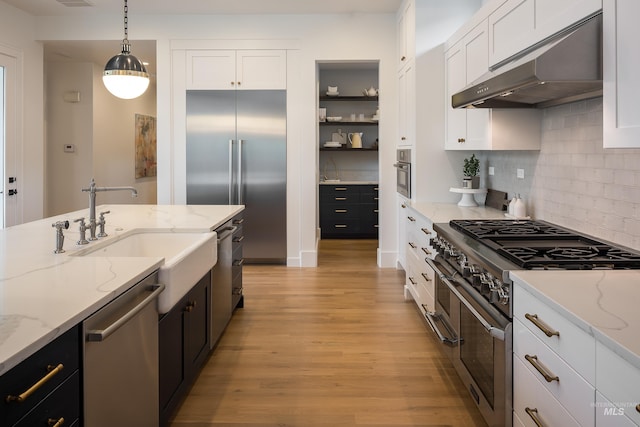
{"x":124,"y":75}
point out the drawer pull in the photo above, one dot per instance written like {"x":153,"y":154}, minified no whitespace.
{"x":238,"y":262}
{"x":55,"y":423}
{"x":340,"y":210}
{"x":340,"y":188}
{"x":543,"y":371}
{"x":426,"y":251}
{"x":376,"y":211}
{"x":53,"y":370}
{"x":533,"y":413}
{"x":638,"y":407}
{"x":412,"y":219}
{"x":238,"y":221}
{"x":413,"y":281}
{"x":413,"y":245}
{"x":340,"y":226}
{"x":426,"y":231}
{"x":238,"y":239}
{"x":340,"y":198}
{"x":533,"y":318}
{"x":403,"y":206}
{"x":427,"y":278}
{"x":375,"y":188}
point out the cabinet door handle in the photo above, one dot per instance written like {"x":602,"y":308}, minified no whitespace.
{"x":233,"y":83}
{"x":543,"y":371}
{"x":52,"y":371}
{"x":533,"y":413}
{"x":412,"y":219}
{"x":638,"y":407}
{"x":239,"y":83}
{"x":426,"y":231}
{"x":403,"y":138}
{"x":427,"y":278}
{"x":402,"y":58}
{"x":55,"y":423}
{"x":413,"y":281}
{"x":533,"y":318}
{"x":413,"y":245}
{"x":190,"y":306}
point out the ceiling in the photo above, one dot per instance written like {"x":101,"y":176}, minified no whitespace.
{"x":189,"y":7}
{"x":100,"y":51}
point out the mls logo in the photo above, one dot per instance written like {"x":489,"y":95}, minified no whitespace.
{"x":613,"y":411}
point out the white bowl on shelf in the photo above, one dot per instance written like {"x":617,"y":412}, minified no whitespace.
{"x":333,"y":93}
{"x":334,"y":119}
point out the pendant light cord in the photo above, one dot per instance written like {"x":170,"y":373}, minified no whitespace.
{"x":126,"y":46}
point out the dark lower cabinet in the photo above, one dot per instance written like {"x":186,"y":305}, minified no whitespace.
{"x":56,"y":368}
{"x":183,"y":345}
{"x":349,"y":211}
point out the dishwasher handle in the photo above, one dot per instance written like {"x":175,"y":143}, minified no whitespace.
{"x":225,"y":232}
{"x":97,"y":335}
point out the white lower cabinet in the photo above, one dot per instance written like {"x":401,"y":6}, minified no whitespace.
{"x":533,"y":404}
{"x":611,"y":415}
{"x":564,"y":375}
{"x":572,"y":391}
{"x":419,"y":275}
{"x":618,"y":382}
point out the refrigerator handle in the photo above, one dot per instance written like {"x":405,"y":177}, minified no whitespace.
{"x":240,"y":195}
{"x":231,"y":171}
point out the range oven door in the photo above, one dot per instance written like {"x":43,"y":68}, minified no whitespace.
{"x":482,"y":354}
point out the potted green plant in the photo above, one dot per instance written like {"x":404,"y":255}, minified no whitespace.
{"x":470,"y":171}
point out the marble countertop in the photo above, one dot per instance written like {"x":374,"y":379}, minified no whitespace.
{"x":444,"y":212}
{"x":604,"y":303}
{"x":42,"y":294}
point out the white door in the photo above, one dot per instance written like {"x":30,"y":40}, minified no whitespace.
{"x":8,"y":142}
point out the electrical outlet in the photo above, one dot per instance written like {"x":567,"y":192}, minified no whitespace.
{"x":520,"y":173}
{"x":492,"y":170}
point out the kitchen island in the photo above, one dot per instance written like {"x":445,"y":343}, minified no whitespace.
{"x":45,"y":294}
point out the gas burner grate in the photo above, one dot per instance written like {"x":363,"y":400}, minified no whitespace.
{"x":573,"y":253}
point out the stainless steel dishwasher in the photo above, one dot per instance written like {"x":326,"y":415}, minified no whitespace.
{"x":221,"y":283}
{"x":120,"y":367}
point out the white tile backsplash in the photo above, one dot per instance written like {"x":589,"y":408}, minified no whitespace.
{"x":572,"y":181}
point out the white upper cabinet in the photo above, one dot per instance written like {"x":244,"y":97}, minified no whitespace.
{"x":406,"y":33}
{"x":407,"y":105}
{"x":520,"y":24}
{"x":621,"y":121}
{"x":236,"y":70}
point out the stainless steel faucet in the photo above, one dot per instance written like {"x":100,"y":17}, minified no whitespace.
{"x":92,"y":190}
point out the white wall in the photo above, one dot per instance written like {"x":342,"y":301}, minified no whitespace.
{"x":573,"y":181}
{"x":17,"y":34}
{"x":101,"y":128}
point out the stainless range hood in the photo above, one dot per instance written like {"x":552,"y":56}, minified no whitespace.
{"x":565,"y":69}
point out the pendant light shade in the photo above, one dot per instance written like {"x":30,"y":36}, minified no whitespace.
{"x":125,"y":76}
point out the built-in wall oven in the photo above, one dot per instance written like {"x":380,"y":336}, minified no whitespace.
{"x":403,"y":172}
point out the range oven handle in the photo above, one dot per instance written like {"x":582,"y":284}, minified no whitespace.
{"x":493,"y":331}
{"x":432,"y":319}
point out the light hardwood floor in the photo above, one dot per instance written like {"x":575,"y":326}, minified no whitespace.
{"x":335,"y":345}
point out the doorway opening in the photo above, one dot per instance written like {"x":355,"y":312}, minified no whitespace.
{"x":348,"y":163}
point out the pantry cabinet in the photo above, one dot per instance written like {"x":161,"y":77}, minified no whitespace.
{"x":520,"y":24}
{"x":407,"y":105}
{"x":621,"y":89}
{"x":236,"y":69}
{"x":349,"y":211}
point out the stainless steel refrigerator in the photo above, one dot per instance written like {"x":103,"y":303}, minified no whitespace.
{"x":236,"y":154}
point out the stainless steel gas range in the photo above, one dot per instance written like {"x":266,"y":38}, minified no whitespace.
{"x":473,"y":313}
